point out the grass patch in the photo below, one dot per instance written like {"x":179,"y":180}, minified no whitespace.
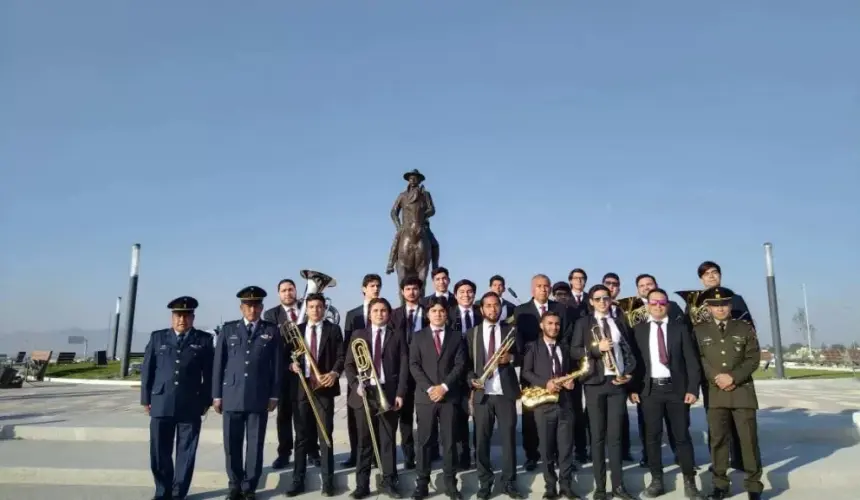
{"x":801,"y":373}
{"x":90,"y":371}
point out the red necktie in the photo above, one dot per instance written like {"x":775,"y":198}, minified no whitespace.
{"x":293,"y":316}
{"x":542,"y":310}
{"x":377,"y":352}
{"x":491,"y":347}
{"x":313,"y":353}
{"x":438,"y":341}
{"x":661,"y":345}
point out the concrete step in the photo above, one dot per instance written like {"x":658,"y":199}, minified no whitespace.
{"x":90,"y":466}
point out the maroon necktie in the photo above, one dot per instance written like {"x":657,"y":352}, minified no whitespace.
{"x":293,"y":316}
{"x":661,"y":345}
{"x":377,"y":352}
{"x":491,"y":347}
{"x":313,"y":353}
{"x":542,"y":310}
{"x":438,"y":341}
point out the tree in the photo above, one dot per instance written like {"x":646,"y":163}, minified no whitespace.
{"x":799,"y":320}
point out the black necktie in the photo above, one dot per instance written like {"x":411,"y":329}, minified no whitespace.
{"x":606,"y":331}
{"x":411,"y":327}
{"x":722,"y":327}
{"x":468,"y":320}
{"x":180,"y":339}
{"x":250,"y":328}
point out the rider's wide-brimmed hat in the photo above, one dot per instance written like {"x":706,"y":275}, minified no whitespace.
{"x":416,"y":173}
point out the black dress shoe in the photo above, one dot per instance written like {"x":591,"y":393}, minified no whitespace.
{"x":599,"y":495}
{"x":753,"y":496}
{"x":296,"y":490}
{"x":454,"y":494}
{"x":234,"y":495}
{"x":511,"y":491}
{"x":655,"y":489}
{"x":349,"y":462}
{"x":566,"y":491}
{"x":360,"y":492}
{"x":389,"y":488}
{"x":281,"y":462}
{"x":485,"y":491}
{"x":690,"y":489}
{"x":621,"y":494}
{"x":551,"y":492}
{"x":719,"y":494}
{"x":327,"y":489}
{"x":421,"y":492}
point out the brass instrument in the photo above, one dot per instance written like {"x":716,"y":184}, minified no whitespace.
{"x":292,"y":335}
{"x":491,"y":365}
{"x":534,"y":396}
{"x":608,"y":357}
{"x":367,"y":372}
{"x":698,"y":312}
{"x":316,"y":283}
{"x":634,"y":310}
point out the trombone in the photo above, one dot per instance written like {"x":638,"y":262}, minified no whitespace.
{"x":294,"y":337}
{"x":367,"y":372}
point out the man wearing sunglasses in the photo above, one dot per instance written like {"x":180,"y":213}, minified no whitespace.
{"x":666,"y":383}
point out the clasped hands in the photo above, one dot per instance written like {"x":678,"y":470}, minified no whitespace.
{"x":437,"y":392}
{"x":326,"y":380}
{"x":725,"y":382}
{"x":605,"y":345}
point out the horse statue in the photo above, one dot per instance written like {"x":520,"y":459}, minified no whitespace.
{"x":413,"y":253}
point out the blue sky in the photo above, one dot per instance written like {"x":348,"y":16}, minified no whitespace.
{"x":240,"y":143}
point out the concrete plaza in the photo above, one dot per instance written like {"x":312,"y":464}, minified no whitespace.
{"x":83,"y":441}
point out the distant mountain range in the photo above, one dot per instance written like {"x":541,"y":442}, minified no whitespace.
{"x":58,"y":340}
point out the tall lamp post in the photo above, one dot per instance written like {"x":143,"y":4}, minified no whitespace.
{"x":129,"y":313}
{"x":774,"y":311}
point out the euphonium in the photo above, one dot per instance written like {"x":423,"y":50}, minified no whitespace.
{"x":533,"y":396}
{"x":366,"y":372}
{"x":294,"y":337}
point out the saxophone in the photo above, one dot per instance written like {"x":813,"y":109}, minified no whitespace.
{"x":533,"y":396}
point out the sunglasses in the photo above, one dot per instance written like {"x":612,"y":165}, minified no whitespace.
{"x":611,"y":283}
{"x":658,"y":302}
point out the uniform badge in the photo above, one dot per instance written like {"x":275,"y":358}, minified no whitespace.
{"x":196,"y":346}
{"x":162,"y":348}
{"x":265,"y":336}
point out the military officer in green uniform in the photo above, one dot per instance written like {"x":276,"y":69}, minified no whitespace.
{"x":730,"y":354}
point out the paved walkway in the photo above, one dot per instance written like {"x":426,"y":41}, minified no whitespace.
{"x":85,"y":441}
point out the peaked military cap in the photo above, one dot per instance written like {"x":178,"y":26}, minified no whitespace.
{"x":416,"y":173}
{"x":182,"y":304}
{"x":716,"y":295}
{"x":251,"y":294}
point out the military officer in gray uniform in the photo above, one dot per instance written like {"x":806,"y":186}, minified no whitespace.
{"x":730,"y":354}
{"x":246,"y":384}
{"x":176,"y":390}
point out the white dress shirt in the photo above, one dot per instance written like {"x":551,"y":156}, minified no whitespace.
{"x":308,"y":328}
{"x":554,"y":351}
{"x":616,"y":348}
{"x":493,"y":385}
{"x":373,"y":334}
{"x":658,"y":369}
{"x":538,"y":305}
{"x":364,"y":313}
{"x":293,"y":309}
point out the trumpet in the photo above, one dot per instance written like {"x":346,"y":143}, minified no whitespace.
{"x":534,"y":396}
{"x":294,"y":337}
{"x":608,"y":357}
{"x":367,"y":372}
{"x":491,"y":365}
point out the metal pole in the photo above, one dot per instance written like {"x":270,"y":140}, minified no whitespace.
{"x":806,"y":316}
{"x":774,"y":311}
{"x":115,"y":328}
{"x":129,"y":312}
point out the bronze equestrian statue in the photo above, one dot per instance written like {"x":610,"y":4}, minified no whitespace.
{"x":414,"y":247}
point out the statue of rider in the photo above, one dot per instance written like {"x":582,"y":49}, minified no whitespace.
{"x":415,"y":204}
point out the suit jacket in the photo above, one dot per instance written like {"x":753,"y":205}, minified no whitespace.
{"x":583,"y":344}
{"x":395,"y":366}
{"x":507,"y":310}
{"x":430,"y":369}
{"x":247,"y":369}
{"x":537,"y":368}
{"x":735,"y":352}
{"x":177,"y":380}
{"x":355,"y":320}
{"x":455,"y":320}
{"x":399,"y":317}
{"x":579,"y":310}
{"x":476,"y":359}
{"x":278,"y":315}
{"x":683,"y":358}
{"x":329,"y":358}
{"x":528,"y":325}
{"x":451,"y":298}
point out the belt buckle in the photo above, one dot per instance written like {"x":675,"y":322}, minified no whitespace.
{"x":664,"y":381}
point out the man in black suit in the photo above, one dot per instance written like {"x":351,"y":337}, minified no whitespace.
{"x":605,"y":340}
{"x":410,"y":319}
{"x":389,"y":357}
{"x":527,"y":317}
{"x":437,"y":361}
{"x":497,"y":285}
{"x":441,"y":279}
{"x":462,"y":317}
{"x":666,"y":383}
{"x":357,"y":319}
{"x":494,"y":399}
{"x":711,"y":275}
{"x":645,"y":283}
{"x":577,"y":278}
{"x":324,"y":342}
{"x":288,"y":310}
{"x":613,"y":283}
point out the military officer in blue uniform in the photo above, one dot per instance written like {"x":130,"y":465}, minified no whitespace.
{"x":176,"y":390}
{"x":246,"y":384}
